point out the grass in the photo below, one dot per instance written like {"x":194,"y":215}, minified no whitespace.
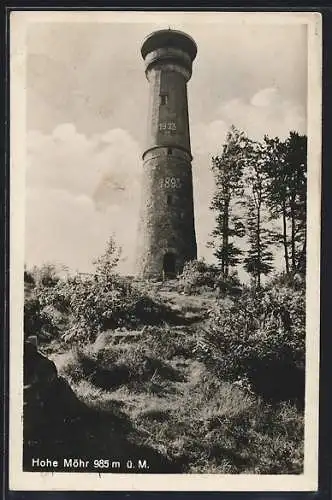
{"x":175,"y":406}
{"x":149,"y":387}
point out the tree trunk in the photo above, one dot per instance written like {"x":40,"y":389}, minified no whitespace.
{"x":293,"y":256}
{"x":225,"y":239}
{"x":301,"y":263}
{"x":259,"y":246}
{"x":223,"y":257}
{"x":284,"y":236}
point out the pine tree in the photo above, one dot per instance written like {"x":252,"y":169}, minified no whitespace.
{"x":296,"y":159}
{"x":259,"y":257}
{"x":228,"y":171}
{"x":286,"y":165}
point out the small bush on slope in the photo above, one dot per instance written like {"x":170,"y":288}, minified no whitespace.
{"x":261,"y":336}
{"x":91,"y":303}
{"x":82,"y":306}
{"x":198,"y":277}
{"x":41,"y":319}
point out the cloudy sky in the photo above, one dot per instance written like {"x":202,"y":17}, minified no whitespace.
{"x":86,"y":96}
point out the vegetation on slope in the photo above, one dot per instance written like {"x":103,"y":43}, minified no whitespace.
{"x":187,"y":386}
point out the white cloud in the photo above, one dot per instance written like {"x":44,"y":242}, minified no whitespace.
{"x":208,"y":138}
{"x":80,"y":190}
{"x":268,"y":112}
{"x":266,"y":97}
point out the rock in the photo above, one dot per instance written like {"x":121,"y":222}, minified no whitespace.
{"x":49,"y":402}
{"x":37,"y":368}
{"x":57,"y":424}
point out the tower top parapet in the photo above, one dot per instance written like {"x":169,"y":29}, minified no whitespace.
{"x":168,"y":38}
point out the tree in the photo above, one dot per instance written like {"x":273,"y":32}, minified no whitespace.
{"x":106,"y":264}
{"x":286,"y":168}
{"x":259,"y":257}
{"x":296,"y":159}
{"x":228,"y":170}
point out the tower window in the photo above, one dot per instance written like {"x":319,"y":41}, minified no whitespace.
{"x":163,"y":99}
{"x":169,"y":151}
{"x":169,"y":199}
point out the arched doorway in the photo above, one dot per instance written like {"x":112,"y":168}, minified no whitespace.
{"x":169,"y":265}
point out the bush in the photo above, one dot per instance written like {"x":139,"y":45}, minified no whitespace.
{"x":292,"y":280}
{"x":105,"y":303}
{"x":87,"y":305}
{"x":93,"y":303}
{"x":42,"y":316}
{"x":198,"y":276}
{"x":260,"y":336}
{"x":197,"y":273}
{"x":43,"y":321}
{"x":46,"y":275}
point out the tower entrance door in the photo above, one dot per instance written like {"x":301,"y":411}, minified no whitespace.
{"x":169,"y":270}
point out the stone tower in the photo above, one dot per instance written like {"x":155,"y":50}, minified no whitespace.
{"x":166,"y":237}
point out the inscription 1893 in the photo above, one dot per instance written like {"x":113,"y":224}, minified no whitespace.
{"x":170,"y":183}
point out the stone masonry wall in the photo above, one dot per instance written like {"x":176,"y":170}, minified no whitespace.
{"x":167,"y":212}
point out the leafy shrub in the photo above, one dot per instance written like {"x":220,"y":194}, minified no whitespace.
{"x":42,"y":317}
{"x":28,"y":278}
{"x":198,"y":276}
{"x":102,"y":300}
{"x":260,"y":336}
{"x":87,"y":305}
{"x":100,"y":303}
{"x":197,"y":273}
{"x":291,"y":280}
{"x":43,"y":321}
{"x":34,"y":320}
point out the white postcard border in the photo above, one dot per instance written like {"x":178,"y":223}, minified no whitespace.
{"x":35,"y":481}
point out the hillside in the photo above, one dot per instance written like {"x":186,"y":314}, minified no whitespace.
{"x":151,"y":393}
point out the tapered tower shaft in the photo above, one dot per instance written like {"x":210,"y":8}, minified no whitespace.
{"x":166,"y":238}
